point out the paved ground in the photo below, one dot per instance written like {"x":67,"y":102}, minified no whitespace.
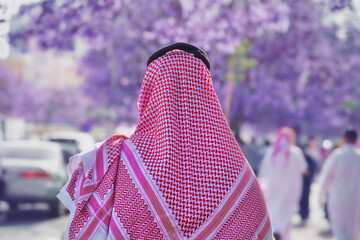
{"x":30,"y":223}
{"x":317,"y":227}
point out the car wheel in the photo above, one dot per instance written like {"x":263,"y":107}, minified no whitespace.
{"x":56,"y":208}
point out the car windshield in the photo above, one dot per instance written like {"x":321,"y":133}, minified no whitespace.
{"x":28,"y":153}
{"x":63,"y":141}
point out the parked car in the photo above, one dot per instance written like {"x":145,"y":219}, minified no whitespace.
{"x":71,"y":142}
{"x":35,"y":171}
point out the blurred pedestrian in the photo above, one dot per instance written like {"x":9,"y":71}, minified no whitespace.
{"x":310,"y":157}
{"x":339,"y":180}
{"x":252,"y":154}
{"x":263,"y":149}
{"x":313,"y":149}
{"x":2,"y":183}
{"x":180,"y":175}
{"x":253,"y":142}
{"x":281,"y":179}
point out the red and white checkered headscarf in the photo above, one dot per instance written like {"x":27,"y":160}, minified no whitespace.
{"x":184,"y":139}
{"x":285,"y":138}
{"x":184,"y":142}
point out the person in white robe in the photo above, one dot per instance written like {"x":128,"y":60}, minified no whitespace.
{"x":339,"y":182}
{"x":281,"y":179}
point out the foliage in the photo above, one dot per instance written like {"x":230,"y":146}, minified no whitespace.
{"x":121,"y":35}
{"x":279,"y":61}
{"x":302,"y":78}
{"x":40,"y":104}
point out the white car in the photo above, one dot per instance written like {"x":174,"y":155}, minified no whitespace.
{"x":71,"y":142}
{"x":35,"y":171}
{"x":81,"y":139}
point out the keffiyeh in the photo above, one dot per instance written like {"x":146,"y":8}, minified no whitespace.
{"x":181,"y":175}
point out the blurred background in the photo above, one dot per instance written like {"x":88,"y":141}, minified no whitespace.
{"x":71,"y":71}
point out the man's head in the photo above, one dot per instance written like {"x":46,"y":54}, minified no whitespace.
{"x":350,"y":135}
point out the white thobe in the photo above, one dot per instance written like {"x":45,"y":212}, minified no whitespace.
{"x":340,"y":179}
{"x":282,"y":184}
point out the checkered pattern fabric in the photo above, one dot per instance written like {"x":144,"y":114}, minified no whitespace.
{"x":184,"y":139}
{"x":93,"y":193}
{"x":188,"y":150}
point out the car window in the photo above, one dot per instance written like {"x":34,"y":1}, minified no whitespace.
{"x":28,"y":153}
{"x":64,"y":141}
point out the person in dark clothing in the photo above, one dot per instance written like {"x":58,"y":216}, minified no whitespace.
{"x":252,"y":153}
{"x":307,"y":180}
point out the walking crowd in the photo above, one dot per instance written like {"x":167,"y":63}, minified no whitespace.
{"x":286,"y":172}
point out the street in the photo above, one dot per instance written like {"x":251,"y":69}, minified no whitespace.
{"x":30,"y":223}
{"x":317,"y":227}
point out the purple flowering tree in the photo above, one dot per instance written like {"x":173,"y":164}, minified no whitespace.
{"x":305,"y":77}
{"x":120,"y":35}
{"x":44,"y":106}
{"x":39,"y":104}
{"x":274,"y":63}
{"x":8,"y":94}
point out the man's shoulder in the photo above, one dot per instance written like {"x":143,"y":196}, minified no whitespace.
{"x":296,"y":150}
{"x":357,"y":152}
{"x":344,"y":152}
{"x":88,"y":151}
{"x":88,"y":155}
{"x":337,"y":152}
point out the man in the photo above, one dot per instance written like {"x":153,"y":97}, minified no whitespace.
{"x":253,"y":155}
{"x":281,"y":180}
{"x":181,"y":175}
{"x":310,"y":158}
{"x":339,"y":180}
